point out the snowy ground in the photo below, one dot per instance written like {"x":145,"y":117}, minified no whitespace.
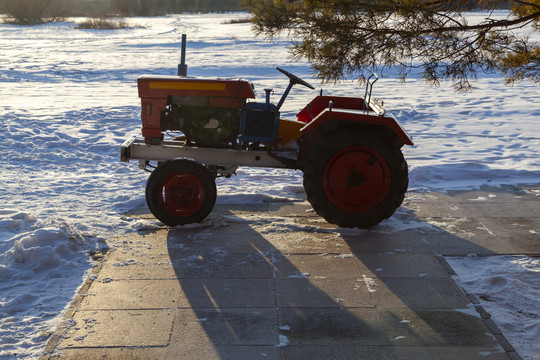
{"x":508,"y":288}
{"x":68,"y":99}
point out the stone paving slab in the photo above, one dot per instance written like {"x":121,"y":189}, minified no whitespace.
{"x":434,"y":205}
{"x":322,"y":293}
{"x":496,"y":194}
{"x":349,"y":352}
{"x":440,"y":293}
{"x":227,"y":266}
{"x":448,"y":353}
{"x":141,"y":271}
{"x":274,"y":281}
{"x":320,"y":265}
{"x":402,"y":265}
{"x":535,"y":206}
{"x":228,"y":352}
{"x":435,"y":327}
{"x":229,"y":293}
{"x":408,"y":241}
{"x":306,"y":242}
{"x":225,"y":327}
{"x":462,"y":236}
{"x":125,"y":328}
{"x":330,"y":326}
{"x":498,"y":210}
{"x":520,"y":235}
{"x":234,"y":238}
{"x":134,"y":294}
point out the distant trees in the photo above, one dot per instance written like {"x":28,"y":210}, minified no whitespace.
{"x":134,"y":7}
{"x":31,"y":12}
{"x":177,"y":6}
{"x":155,"y":7}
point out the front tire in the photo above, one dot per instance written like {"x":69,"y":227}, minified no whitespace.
{"x":355,"y":178}
{"x":180,"y":192}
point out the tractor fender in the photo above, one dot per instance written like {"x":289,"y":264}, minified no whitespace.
{"x":357,"y":117}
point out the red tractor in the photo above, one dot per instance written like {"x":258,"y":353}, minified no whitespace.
{"x":349,"y":151}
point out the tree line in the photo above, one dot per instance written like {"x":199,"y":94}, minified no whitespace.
{"x":156,"y":7}
{"x":40,"y":11}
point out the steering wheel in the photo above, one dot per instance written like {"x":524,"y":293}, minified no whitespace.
{"x":295,"y":79}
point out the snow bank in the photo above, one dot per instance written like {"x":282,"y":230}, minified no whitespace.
{"x":41,"y":266}
{"x":508,"y":287}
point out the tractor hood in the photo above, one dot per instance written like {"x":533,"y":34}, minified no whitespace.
{"x":152,"y":86}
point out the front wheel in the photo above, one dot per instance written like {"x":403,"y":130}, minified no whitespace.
{"x":180,"y":192}
{"x":355,"y":178}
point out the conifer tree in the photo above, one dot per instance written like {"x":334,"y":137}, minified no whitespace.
{"x":343,"y":38}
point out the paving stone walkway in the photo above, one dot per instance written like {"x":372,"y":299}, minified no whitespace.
{"x":274,"y":281}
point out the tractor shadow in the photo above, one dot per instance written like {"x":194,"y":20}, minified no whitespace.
{"x":257,"y":285}
{"x":275,"y":281}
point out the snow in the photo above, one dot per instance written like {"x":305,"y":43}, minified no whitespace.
{"x":41,"y":265}
{"x":68,"y":99}
{"x":508,"y":287}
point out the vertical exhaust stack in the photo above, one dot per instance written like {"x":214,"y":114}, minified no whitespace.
{"x":182,"y":67}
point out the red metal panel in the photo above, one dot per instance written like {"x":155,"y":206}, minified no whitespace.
{"x":357,"y":116}
{"x":321,"y":102}
{"x":151,"y":117}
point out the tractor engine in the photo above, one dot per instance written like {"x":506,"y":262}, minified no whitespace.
{"x":209,"y":112}
{"x":202,"y":125}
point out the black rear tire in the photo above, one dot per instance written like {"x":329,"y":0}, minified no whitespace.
{"x":180,"y":192}
{"x":355,"y":178}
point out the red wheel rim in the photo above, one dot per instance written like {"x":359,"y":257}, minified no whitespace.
{"x":356,"y":179}
{"x":181,"y":194}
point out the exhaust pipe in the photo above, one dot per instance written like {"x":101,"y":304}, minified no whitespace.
{"x":182,"y":67}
